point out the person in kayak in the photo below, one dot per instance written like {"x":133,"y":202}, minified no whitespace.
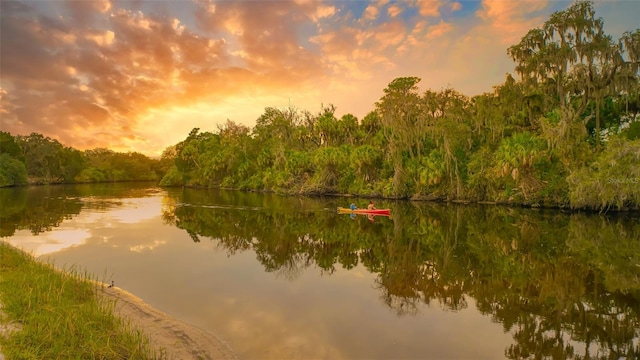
{"x":353,"y":206}
{"x":371,"y":207}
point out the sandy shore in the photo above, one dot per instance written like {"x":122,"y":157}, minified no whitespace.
{"x":178,"y":339}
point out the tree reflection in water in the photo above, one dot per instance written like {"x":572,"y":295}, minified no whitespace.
{"x":566,"y":285}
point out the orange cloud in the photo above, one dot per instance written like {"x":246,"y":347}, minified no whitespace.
{"x":440,"y":29}
{"x":324,"y":12}
{"x":73,"y":83}
{"x":267,"y":33}
{"x":394,"y":10}
{"x":429,"y":7}
{"x":390,"y":34}
{"x":345,"y":51}
{"x":511,"y":20}
{"x":136,"y":76}
{"x":370,"y":13}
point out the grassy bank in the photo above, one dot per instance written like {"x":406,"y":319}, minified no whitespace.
{"x":61,"y":315}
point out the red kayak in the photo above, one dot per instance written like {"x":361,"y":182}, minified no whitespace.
{"x":365,"y":211}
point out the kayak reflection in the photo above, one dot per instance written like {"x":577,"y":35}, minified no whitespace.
{"x":374,"y":212}
{"x":369,"y":213}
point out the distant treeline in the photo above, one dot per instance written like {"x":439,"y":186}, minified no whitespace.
{"x":566,"y":133}
{"x":36,"y":159}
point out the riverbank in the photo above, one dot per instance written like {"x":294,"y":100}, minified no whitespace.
{"x":51,"y":314}
{"x":178,"y":339}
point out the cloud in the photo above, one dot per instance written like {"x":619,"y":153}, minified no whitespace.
{"x":437,"y":30}
{"x":265,"y":36}
{"x":123,"y":75}
{"x":84,"y":12}
{"x":429,"y":7}
{"x":72,"y":81}
{"x":344,"y":51}
{"x":357,"y":53}
{"x":390,"y":34}
{"x":370,"y":13}
{"x":324,"y":11}
{"x":394,"y":10}
{"x":510,"y":20}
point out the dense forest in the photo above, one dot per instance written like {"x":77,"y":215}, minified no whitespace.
{"x":564,"y":131}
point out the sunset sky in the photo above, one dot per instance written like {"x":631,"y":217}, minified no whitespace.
{"x":138,"y":75}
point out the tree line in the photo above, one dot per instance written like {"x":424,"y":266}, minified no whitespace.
{"x":37,"y":159}
{"x":563,"y":131}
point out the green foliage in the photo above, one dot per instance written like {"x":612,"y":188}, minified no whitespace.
{"x":365,"y":161}
{"x":482,"y":184}
{"x":400,"y":114}
{"x":103,"y":165}
{"x":519,"y":151}
{"x":433,"y":170}
{"x":518,"y":160}
{"x":91,"y":174}
{"x":48,"y":161}
{"x":43,"y":157}
{"x":575,"y":63}
{"x":299,"y":164}
{"x":612,"y":180}
{"x":12,"y":171}
{"x":173,"y":177}
{"x":554,"y":189}
{"x":9,"y":146}
{"x":331,"y":164}
{"x":633,"y":131}
{"x":72,"y":164}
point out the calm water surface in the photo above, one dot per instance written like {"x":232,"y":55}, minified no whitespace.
{"x":288,"y":278}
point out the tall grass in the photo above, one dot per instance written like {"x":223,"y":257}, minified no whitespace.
{"x":61,"y":314}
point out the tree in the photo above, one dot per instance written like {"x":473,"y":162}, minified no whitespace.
{"x":613,"y":180}
{"x":9,"y":146}
{"x":327,"y":127}
{"x":627,"y":80}
{"x":332,"y":168}
{"x":446,"y":118}
{"x":371,"y":126}
{"x":187,"y":159}
{"x":167,"y":160}
{"x":43,"y":157}
{"x":72,"y":163}
{"x":235,"y":144}
{"x":365,"y":162}
{"x":570,"y":55}
{"x":12,"y":171}
{"x":348,"y":126}
{"x":399,"y":111}
{"x":12,"y":162}
{"x":515,"y":159}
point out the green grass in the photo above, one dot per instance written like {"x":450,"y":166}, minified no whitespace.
{"x":61,"y":314}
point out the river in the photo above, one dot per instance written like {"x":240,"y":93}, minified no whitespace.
{"x":288,"y":278}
